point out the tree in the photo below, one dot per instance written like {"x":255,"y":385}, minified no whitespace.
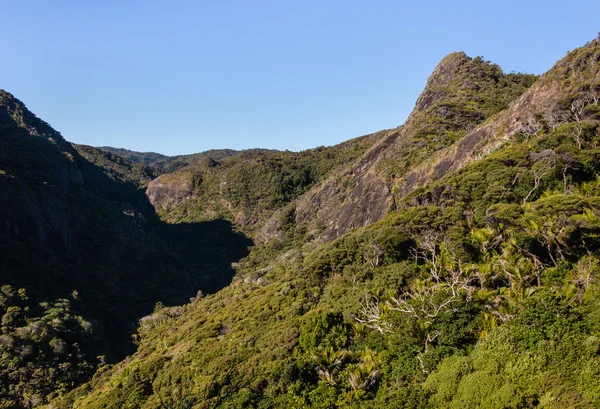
{"x":540,"y":168}
{"x":363,"y":375}
{"x":328,"y":360}
{"x":578,"y":106}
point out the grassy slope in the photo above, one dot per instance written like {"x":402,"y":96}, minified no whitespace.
{"x":499,"y":308}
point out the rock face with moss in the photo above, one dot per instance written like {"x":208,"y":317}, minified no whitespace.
{"x":165,"y":194}
{"x":460,"y":94}
{"x":451,"y":262}
{"x":256,"y":189}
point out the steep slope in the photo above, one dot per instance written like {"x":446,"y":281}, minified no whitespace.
{"x":249,"y":187}
{"x":460,"y":94}
{"x":554,"y":99}
{"x":479,"y":290}
{"x":80,"y":262}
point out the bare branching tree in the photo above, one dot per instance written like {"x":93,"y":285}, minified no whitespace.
{"x":420,"y":304}
{"x":372,"y":253}
{"x":578,"y":106}
{"x":540,"y":169}
{"x":447,"y":281}
{"x":559,"y":115}
{"x":371,"y":315}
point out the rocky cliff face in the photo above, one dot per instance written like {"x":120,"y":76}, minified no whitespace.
{"x":460,"y":94}
{"x":356,"y":197}
{"x":165,"y":193}
{"x":38,"y":169}
{"x":555,"y":98}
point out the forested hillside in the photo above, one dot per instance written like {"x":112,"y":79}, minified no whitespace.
{"x":166,"y":164}
{"x":83,"y":257}
{"x":452,"y":262}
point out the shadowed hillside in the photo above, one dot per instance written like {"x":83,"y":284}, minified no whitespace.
{"x":83,"y":256}
{"x":208,"y":247}
{"x":452,"y":262}
{"x":472,"y":284}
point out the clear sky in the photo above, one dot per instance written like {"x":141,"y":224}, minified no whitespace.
{"x":185,"y":76}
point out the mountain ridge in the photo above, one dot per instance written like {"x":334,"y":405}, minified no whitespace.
{"x":83,"y":257}
{"x":449,"y":262}
{"x":298,"y":313}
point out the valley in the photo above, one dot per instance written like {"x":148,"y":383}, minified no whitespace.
{"x":450,"y":262}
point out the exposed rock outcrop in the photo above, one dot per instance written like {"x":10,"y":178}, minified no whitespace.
{"x":543,"y":106}
{"x":352,"y":199}
{"x":163,"y":192}
{"x":362,"y":194}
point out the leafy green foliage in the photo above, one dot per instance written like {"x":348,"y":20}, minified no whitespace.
{"x":42,"y":351}
{"x":248,"y":187}
{"x":479,"y":290}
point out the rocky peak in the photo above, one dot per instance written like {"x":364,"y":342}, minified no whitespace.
{"x":572,"y":82}
{"x":445,"y":72}
{"x":461,"y":93}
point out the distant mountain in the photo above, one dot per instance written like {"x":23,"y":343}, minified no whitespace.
{"x":171,"y":163}
{"x":146,"y":158}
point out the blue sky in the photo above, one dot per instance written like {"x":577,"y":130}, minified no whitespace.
{"x":185,"y":76}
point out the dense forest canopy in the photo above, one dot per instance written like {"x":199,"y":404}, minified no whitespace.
{"x":451,"y":262}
